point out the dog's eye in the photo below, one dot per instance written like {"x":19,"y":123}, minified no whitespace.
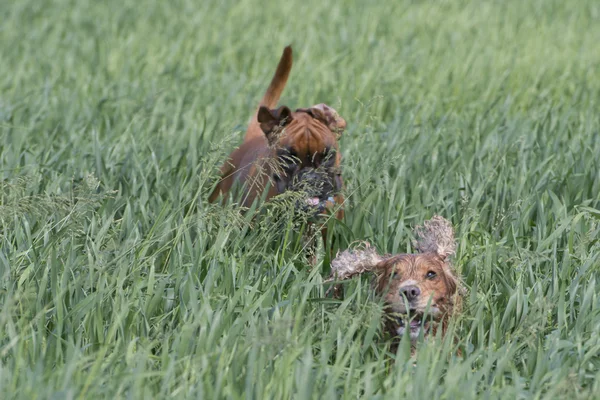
{"x":395,"y":275}
{"x":430,"y":275}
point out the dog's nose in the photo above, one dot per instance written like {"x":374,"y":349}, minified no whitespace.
{"x":310,"y":174}
{"x":411,"y":292}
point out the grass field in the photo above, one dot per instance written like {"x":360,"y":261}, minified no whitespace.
{"x":119,"y":280}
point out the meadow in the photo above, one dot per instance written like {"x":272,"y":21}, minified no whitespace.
{"x":119,"y":280}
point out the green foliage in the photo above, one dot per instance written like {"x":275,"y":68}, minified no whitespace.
{"x":119,"y":280}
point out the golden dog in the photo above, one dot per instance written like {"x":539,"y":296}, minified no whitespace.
{"x":411,"y":285}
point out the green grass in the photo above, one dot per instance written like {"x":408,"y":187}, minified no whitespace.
{"x":118,"y":280}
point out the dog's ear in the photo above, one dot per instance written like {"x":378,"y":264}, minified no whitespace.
{"x":354,"y":262}
{"x":327,"y":115}
{"x":435,"y":236}
{"x":270,"y":120}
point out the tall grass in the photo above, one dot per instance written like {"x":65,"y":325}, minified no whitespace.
{"x":119,"y":280}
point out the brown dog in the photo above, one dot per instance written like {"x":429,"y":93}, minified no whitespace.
{"x":412,"y":285}
{"x":285,"y":150}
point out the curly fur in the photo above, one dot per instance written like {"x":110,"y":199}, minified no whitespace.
{"x":435,"y":236}
{"x":434,"y":243}
{"x":354,"y":262}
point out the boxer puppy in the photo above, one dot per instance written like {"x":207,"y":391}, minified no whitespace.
{"x":286,"y":150}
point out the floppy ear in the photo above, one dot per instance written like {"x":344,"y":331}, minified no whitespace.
{"x":328,"y":116}
{"x":436,"y":236}
{"x":270,"y":120}
{"x":354,"y":262}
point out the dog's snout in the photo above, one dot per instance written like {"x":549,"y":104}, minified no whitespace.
{"x":309,"y":174}
{"x":411,"y":292}
{"x":313,"y":182}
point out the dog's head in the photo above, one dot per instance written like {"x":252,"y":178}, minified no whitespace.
{"x":419,"y":290}
{"x":413,"y":285}
{"x":305,"y":149}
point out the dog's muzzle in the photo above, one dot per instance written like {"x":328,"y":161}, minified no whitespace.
{"x":317,"y":189}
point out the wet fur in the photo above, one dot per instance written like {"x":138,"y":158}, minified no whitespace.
{"x":429,"y":270}
{"x":439,"y":298}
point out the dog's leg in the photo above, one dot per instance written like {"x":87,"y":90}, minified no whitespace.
{"x":311,"y":245}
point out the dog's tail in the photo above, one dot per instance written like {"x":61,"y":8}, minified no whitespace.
{"x":279,"y":80}
{"x":273,"y":92}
